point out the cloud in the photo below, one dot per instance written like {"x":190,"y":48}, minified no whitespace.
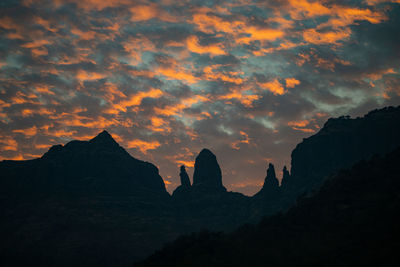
{"x":291,"y":82}
{"x":194,"y":46}
{"x":143,"y":146}
{"x":247,"y":79}
{"x":273,"y":86}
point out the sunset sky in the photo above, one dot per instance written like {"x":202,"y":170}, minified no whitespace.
{"x":246,"y":79}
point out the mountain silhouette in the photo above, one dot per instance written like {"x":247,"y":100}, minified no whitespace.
{"x":351,"y":221}
{"x":339,"y":144}
{"x":342,"y":142}
{"x":91,"y":203}
{"x":99,"y":165}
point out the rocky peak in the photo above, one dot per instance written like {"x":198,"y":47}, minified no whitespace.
{"x":185,"y":181}
{"x":270,"y":179}
{"x":207,"y":172}
{"x":271,"y":185}
{"x":104,"y":138}
{"x":285,"y":176}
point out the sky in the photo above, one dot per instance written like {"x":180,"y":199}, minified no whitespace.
{"x":246,"y":79}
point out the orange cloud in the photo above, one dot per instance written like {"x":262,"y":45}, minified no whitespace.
{"x":339,"y":20}
{"x":87,"y":35}
{"x":246,"y":140}
{"x":291,"y":82}
{"x":44,"y":23}
{"x":29,"y":132}
{"x":211,"y":24}
{"x":274,"y":87}
{"x":42,"y":146}
{"x":159,"y":125}
{"x":8,"y":23}
{"x":330,"y":37}
{"x":193,"y":45}
{"x":136,"y":46}
{"x":147,"y":12}
{"x":83,"y":75}
{"x":283,"y":46}
{"x":303,"y":130}
{"x":260,"y":34}
{"x":189,"y":163}
{"x":143,"y":73}
{"x":143,"y":12}
{"x":246,"y":99}
{"x":18,"y":157}
{"x":136,"y":99}
{"x":177,"y":73}
{"x":300,"y":9}
{"x":240,"y":30}
{"x":299,"y":126}
{"x":44,"y":89}
{"x":302,"y":123}
{"x":143,"y":146}
{"x":37,"y":47}
{"x":60,"y":132}
{"x":212,"y":75}
{"x":344,"y":16}
{"x":89,"y":5}
{"x":182,"y":158}
{"x":36,"y":43}
{"x":378,"y":75}
{"x":303,"y":58}
{"x":179,"y":107}
{"x":7,"y":143}
{"x":112,"y":92}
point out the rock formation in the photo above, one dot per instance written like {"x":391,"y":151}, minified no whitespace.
{"x":183,"y":190}
{"x":185,"y":181}
{"x":341,"y":143}
{"x":285,"y":178}
{"x":207,"y":173}
{"x":270,"y":188}
{"x":97,"y":166}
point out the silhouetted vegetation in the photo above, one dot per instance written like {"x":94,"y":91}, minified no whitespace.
{"x":351,"y":221}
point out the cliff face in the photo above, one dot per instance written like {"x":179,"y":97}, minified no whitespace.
{"x":339,"y":144}
{"x":207,"y":173}
{"x":342,"y":142}
{"x":99,"y":165}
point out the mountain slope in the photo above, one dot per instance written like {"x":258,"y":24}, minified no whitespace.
{"x":342,"y":142}
{"x":99,"y":166}
{"x":339,"y":144}
{"x":352,"y":221}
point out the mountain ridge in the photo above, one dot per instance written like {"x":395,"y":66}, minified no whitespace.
{"x":78,"y":190}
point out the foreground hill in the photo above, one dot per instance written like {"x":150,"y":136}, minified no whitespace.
{"x":351,"y":221}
